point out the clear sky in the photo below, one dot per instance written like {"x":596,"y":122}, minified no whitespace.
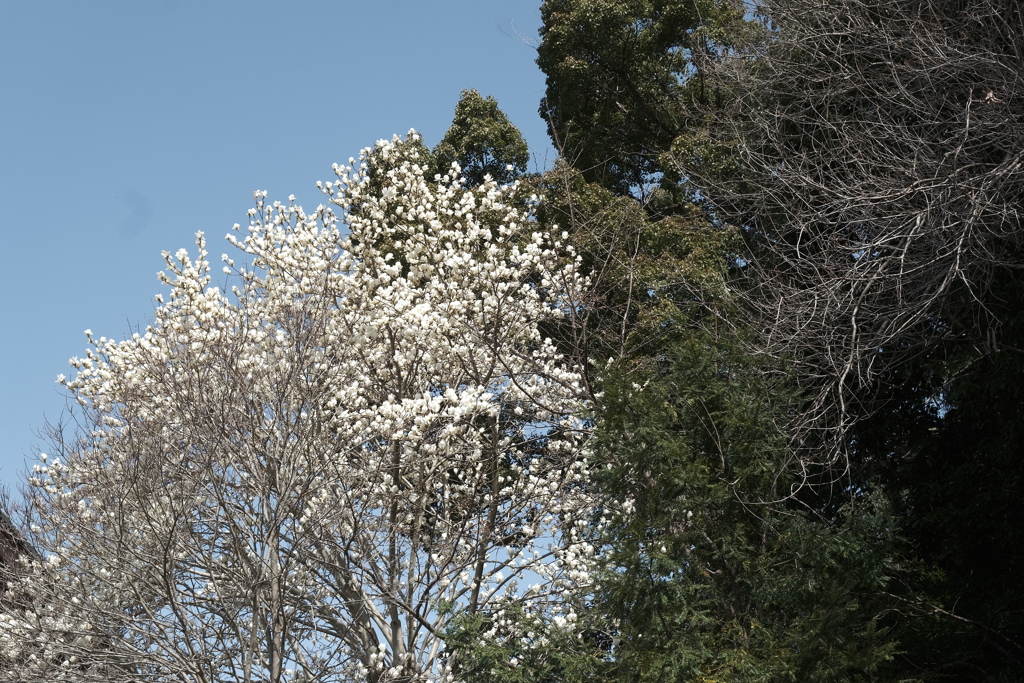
{"x":125,"y":127}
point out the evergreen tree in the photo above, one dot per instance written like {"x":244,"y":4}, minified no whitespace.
{"x":730,"y":566}
{"x":622,"y":79}
{"x":719,"y":572}
{"x":483,"y":142}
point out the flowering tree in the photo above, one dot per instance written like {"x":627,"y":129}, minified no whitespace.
{"x":303,"y":477}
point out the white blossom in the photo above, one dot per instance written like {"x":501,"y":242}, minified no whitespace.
{"x":301,"y":478}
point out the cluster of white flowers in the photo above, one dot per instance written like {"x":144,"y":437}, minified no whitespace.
{"x":310,"y":471}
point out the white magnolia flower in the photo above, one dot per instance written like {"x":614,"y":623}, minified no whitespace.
{"x":306,"y":471}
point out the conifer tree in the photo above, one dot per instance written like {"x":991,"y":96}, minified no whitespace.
{"x":483,"y":142}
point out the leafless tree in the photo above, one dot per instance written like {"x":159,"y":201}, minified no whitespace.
{"x":878,"y":178}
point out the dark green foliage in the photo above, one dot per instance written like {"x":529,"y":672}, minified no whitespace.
{"x":716,"y":573}
{"x":483,"y":142}
{"x":647,"y":273}
{"x":727,"y":570}
{"x":622,"y":76}
{"x":721,"y":574}
{"x":524,"y":649}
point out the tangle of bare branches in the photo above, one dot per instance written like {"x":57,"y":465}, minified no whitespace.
{"x":879,"y":151}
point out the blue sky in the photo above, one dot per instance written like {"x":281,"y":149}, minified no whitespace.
{"x":128,"y":126}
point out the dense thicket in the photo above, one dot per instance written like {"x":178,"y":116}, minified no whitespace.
{"x":868,"y":154}
{"x":876,"y":175}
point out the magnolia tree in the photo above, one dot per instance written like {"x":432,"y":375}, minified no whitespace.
{"x":306,"y":475}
